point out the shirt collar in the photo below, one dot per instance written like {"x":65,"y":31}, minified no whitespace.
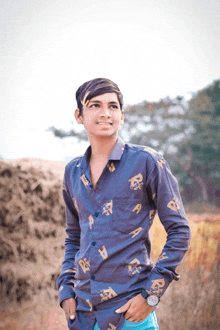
{"x":115,"y":154}
{"x":117,"y":150}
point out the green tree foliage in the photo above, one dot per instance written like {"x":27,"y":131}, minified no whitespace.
{"x":186,"y":133}
{"x":200,"y":156}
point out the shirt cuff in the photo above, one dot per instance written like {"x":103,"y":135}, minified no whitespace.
{"x":65,"y":292}
{"x":157,"y":284}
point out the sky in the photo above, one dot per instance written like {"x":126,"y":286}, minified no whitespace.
{"x":48,"y":48}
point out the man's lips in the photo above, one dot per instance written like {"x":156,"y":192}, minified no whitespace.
{"x":104,"y":123}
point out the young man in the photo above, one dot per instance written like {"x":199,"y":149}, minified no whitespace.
{"x":112,"y":193}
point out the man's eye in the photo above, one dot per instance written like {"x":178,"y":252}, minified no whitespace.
{"x":114,"y":106}
{"x":94,"y":105}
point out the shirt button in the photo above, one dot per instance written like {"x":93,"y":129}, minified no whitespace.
{"x":91,"y":185}
{"x":92,"y":277}
{"x":96,"y":214}
{"x":93,"y":243}
{"x":94,"y":308}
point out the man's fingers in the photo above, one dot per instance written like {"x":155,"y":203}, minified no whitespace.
{"x":124,"y":308}
{"x":71,"y":315}
{"x":69,"y":306}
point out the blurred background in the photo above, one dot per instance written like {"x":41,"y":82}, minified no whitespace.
{"x":165,"y":58}
{"x":152,"y":49}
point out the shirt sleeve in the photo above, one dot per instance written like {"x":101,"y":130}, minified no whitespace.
{"x":66,"y":280}
{"x":163,"y":189}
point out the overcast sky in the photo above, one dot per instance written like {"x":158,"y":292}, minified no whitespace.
{"x":150,"y":48}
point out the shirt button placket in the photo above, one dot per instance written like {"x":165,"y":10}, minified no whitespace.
{"x":93,"y":276}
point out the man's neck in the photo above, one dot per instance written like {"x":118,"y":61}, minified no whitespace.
{"x":102,"y":148}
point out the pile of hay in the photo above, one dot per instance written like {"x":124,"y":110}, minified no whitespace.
{"x":32,"y":217}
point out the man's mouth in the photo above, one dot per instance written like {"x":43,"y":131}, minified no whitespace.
{"x":104,"y":123}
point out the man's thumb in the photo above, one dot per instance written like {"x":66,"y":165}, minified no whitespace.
{"x":72,"y":316}
{"x":123,"y":308}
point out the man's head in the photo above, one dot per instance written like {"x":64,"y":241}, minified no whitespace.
{"x":99,"y":109}
{"x":96,"y":87}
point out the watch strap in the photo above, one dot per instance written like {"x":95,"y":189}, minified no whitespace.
{"x":144,"y":294}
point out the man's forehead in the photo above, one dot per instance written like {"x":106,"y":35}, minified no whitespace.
{"x":107,"y":97}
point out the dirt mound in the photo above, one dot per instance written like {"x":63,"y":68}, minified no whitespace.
{"x":32,"y":218}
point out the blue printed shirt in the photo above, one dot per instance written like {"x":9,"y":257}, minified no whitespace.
{"x":107,"y":249}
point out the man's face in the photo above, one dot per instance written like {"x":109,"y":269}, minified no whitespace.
{"x":102,"y":116}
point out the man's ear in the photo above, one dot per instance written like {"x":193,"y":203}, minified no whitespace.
{"x":78,"y":116}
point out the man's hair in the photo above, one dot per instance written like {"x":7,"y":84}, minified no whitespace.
{"x":95,"y":87}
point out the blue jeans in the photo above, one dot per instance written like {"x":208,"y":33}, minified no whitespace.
{"x":150,"y":323}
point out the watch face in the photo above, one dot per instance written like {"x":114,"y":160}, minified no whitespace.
{"x":152,"y":300}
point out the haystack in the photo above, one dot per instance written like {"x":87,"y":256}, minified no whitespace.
{"x":32,"y":217}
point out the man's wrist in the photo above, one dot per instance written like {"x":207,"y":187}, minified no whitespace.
{"x":61,"y":302}
{"x":150,"y":297}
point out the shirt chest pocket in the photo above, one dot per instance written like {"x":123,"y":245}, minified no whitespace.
{"x":127,"y":214}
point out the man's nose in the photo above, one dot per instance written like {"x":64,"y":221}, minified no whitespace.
{"x":105,"y":111}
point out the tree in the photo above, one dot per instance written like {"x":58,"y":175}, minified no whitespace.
{"x":203,"y":149}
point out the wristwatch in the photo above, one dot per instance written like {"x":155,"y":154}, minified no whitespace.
{"x":151,"y":299}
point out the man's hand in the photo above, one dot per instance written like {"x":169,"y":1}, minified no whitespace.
{"x":136,"y":309}
{"x":69,"y":307}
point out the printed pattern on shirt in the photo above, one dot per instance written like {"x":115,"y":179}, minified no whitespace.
{"x":84,"y":180}
{"x":134,"y":267}
{"x":174,"y":204}
{"x":136,"y":182}
{"x":161,"y":162}
{"x":107,"y":294}
{"x":111,"y":167}
{"x":107,"y":208}
{"x":162,"y":256}
{"x":85,"y":265}
{"x":151,"y":151}
{"x":137,"y":208}
{"x":91,"y":221}
{"x":112,"y":327}
{"x":136,"y":232}
{"x":103,"y":252}
{"x":75,"y":204}
{"x":157,"y":286}
{"x":90,"y":304}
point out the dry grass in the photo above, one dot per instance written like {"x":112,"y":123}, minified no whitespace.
{"x":193,"y":302}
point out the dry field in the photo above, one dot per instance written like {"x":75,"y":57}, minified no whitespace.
{"x":31,"y":251}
